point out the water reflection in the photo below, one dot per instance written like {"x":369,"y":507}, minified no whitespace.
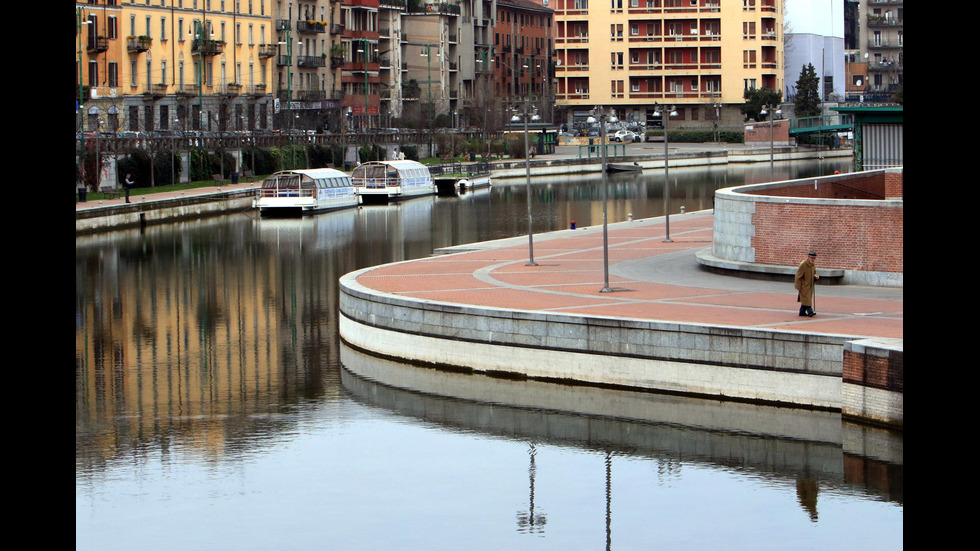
{"x":805,"y":450}
{"x":213,"y":345}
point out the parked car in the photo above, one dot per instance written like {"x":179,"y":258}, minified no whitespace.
{"x":624,"y":136}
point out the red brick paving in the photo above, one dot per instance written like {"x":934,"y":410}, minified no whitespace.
{"x":569,"y":277}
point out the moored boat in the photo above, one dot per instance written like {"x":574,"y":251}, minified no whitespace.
{"x":623,"y":167}
{"x":460,"y":177}
{"x":392,"y":180}
{"x":305,"y":191}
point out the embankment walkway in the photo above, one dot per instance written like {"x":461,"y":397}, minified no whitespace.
{"x":666,"y":324}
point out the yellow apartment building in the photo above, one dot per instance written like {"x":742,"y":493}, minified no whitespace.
{"x":696,"y":55}
{"x":161,"y":65}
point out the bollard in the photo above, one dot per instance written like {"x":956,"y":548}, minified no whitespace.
{"x":683,"y":209}
{"x":631,"y":217}
{"x":573,"y":224}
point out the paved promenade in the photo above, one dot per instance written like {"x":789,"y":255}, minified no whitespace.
{"x":650,"y":279}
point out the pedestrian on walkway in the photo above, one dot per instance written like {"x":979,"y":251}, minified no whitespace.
{"x":805,"y":276}
{"x":128,"y":184}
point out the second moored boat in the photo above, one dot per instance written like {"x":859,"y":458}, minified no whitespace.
{"x":392,"y":180}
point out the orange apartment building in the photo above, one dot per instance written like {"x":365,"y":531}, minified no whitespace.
{"x":697,"y":55}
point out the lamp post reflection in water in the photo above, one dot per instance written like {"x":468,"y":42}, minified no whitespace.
{"x":530,"y":521}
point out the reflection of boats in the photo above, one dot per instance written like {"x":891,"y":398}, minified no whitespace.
{"x":623,"y":167}
{"x":390,"y":180}
{"x":305,"y":191}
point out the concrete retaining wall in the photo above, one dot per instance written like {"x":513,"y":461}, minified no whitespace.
{"x":724,"y":362}
{"x":159,"y":211}
{"x":546,"y":167}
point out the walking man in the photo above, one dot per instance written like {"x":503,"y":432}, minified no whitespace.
{"x":805,"y":276}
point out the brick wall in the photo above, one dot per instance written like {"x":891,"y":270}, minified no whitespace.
{"x":871,"y":185}
{"x":849,"y":237}
{"x":885,"y":371}
{"x":855,"y":222}
{"x":873,"y":381}
{"x":759,"y":132}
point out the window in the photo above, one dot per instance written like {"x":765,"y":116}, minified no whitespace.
{"x":134,"y":118}
{"x":113,"y":69}
{"x":163,"y":29}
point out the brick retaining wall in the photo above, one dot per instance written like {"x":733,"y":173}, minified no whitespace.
{"x":855,"y":222}
{"x":874,"y":381}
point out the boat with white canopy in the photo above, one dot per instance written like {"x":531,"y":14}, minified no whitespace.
{"x":306,"y":191}
{"x":392,"y":180}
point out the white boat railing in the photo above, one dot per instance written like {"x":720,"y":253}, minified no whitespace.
{"x":286,"y":192}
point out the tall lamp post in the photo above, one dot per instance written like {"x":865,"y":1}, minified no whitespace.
{"x":601,"y":117}
{"x":527,"y":114}
{"x":665,"y":113}
{"x":773,"y":111}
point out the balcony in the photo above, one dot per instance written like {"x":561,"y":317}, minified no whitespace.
{"x":283,"y":25}
{"x":267,"y":50}
{"x":98,"y":44}
{"x":231,"y":89}
{"x":311,"y":61}
{"x":207,"y":46}
{"x":138,"y":44}
{"x":311,"y":27}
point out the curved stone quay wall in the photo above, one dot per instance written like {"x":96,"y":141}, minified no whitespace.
{"x":855,"y":222}
{"x":724,"y":362}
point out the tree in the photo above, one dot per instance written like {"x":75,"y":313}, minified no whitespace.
{"x":755,"y":98}
{"x":808,"y":93}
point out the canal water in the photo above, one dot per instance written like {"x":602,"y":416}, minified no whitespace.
{"x":216,"y":408}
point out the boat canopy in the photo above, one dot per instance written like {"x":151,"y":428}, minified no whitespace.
{"x":391,"y":169}
{"x":322,"y":178}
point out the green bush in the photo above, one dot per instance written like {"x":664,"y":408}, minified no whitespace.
{"x":263,"y":164}
{"x":320,"y":156}
{"x":411,"y":152}
{"x":699,"y":136}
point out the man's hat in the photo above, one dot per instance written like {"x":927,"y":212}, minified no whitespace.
{"x":812,"y":254}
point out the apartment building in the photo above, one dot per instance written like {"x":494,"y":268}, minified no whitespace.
{"x":874,"y":49}
{"x":524,"y":42}
{"x":158,"y":65}
{"x":697,"y":55}
{"x":308,"y":75}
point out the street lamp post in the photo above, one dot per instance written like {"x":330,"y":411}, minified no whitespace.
{"x":773,"y":111}
{"x":666,"y":112}
{"x":602,"y":116}
{"x":528,"y":114}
